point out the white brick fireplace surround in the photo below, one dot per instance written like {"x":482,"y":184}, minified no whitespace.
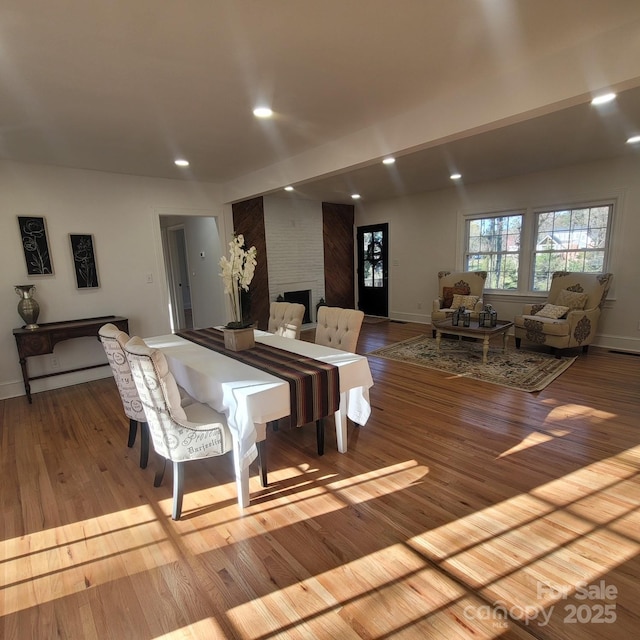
{"x":295,"y":252}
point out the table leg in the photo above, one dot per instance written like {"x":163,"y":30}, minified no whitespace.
{"x":25,"y":378}
{"x":261,"y":443}
{"x":438,"y":336}
{"x":262,"y":462}
{"x":505,"y":338}
{"x":242,"y":474}
{"x":341,"y":423}
{"x":485,"y":349}
{"x":242,"y":478}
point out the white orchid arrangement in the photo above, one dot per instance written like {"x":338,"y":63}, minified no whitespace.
{"x":237,"y":273}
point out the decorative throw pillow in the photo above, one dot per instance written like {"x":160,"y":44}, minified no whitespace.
{"x":552,"y":311}
{"x":449,"y":292}
{"x":572,"y":299}
{"x":468,"y":302}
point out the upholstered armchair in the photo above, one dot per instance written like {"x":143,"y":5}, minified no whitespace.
{"x":340,"y":329}
{"x":178,"y":433}
{"x":569,"y":317}
{"x":456,"y":289}
{"x":285,"y":319}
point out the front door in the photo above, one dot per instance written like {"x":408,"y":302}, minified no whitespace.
{"x":373,"y":270}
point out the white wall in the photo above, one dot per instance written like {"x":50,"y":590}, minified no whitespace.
{"x":295,"y":250}
{"x":423,"y":238}
{"x":122,"y":213}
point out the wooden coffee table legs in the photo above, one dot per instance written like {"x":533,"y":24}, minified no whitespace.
{"x":485,"y":346}
{"x":485,"y":339}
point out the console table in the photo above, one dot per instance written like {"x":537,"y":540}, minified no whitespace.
{"x":40,"y":341}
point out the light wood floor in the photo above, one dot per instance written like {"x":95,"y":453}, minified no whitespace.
{"x":456,"y":511}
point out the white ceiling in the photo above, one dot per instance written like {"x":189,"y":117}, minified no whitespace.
{"x":126,"y":86}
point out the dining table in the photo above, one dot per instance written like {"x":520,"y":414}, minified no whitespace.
{"x":252,"y":397}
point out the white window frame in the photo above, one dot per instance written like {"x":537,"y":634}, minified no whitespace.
{"x":483,"y":216}
{"x":555,"y":210}
{"x":528,"y":237}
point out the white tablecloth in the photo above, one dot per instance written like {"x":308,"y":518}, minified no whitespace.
{"x":250,"y":397}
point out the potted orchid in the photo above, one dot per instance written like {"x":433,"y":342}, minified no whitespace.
{"x":237,"y":273}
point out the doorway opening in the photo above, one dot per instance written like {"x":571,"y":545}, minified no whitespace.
{"x":191,"y":247}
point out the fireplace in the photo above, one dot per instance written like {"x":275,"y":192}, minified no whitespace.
{"x":301,"y":297}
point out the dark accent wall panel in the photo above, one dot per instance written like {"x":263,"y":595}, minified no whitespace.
{"x":248,"y":219}
{"x":337,"y":232}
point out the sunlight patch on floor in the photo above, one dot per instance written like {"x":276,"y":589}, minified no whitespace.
{"x":74,"y":557}
{"x":396,"y":577}
{"x":553,"y":530}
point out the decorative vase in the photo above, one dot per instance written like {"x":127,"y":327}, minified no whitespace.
{"x":28,"y":307}
{"x":238,"y":339}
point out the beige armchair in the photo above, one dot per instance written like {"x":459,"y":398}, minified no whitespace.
{"x":461,"y":284}
{"x":569,"y":317}
{"x":285,"y":319}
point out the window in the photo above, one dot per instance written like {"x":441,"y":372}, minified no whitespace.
{"x":373,"y":259}
{"x":520,"y":250}
{"x":569,"y":240}
{"x":493,"y":245}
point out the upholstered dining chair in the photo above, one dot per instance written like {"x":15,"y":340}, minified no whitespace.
{"x":285,"y":319}
{"x":178,"y":433}
{"x":338,"y":328}
{"x":113,"y":341}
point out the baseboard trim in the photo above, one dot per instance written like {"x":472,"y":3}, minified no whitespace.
{"x":16,"y":388}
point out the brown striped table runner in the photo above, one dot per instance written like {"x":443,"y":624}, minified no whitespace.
{"x":314,"y":386}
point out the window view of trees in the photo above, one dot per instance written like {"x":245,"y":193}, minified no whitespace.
{"x":569,"y":240}
{"x":373,"y":263}
{"x":493,"y":245}
{"x":563,"y":240}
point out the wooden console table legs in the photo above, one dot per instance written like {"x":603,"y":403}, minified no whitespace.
{"x":42,"y":339}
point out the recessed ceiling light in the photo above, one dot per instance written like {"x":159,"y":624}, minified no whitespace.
{"x":388,"y":160}
{"x":262,"y":112}
{"x":289,"y":188}
{"x":633,"y":140}
{"x":356,"y":196}
{"x":181,"y":163}
{"x":603,"y":99}
{"x":455,"y":176}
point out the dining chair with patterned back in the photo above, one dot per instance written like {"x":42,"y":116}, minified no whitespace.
{"x":338,"y":328}
{"x":179,"y":434}
{"x":113,"y":341}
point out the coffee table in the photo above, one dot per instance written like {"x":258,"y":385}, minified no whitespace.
{"x":486,"y":333}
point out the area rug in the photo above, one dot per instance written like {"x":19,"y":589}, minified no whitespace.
{"x":516,"y":369}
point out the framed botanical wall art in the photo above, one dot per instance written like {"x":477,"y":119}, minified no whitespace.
{"x":84,"y":261}
{"x":33,"y":232}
